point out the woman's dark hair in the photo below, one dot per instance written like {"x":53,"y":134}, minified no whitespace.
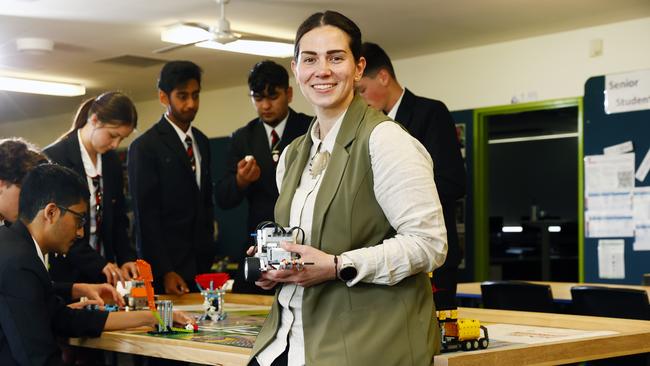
{"x":17,"y":158}
{"x":111,"y":107}
{"x":178,"y":73}
{"x":334,"y":19}
{"x":50,"y":183}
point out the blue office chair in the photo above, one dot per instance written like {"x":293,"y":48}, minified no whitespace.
{"x":613,"y":303}
{"x":517,"y":295}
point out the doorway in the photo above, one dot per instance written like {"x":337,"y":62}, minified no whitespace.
{"x":528,"y":191}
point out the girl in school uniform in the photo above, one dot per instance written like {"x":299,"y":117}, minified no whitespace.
{"x":105,"y":253}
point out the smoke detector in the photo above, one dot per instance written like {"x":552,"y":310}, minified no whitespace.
{"x":35,"y":46}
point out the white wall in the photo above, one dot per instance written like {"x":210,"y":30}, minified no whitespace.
{"x":540,"y":68}
{"x":546,"y":67}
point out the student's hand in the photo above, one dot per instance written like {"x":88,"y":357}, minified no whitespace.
{"x":129,"y":270}
{"x":174,"y":284}
{"x":82,"y":304}
{"x":320,"y":271}
{"x":96,"y":292}
{"x":247,"y":172}
{"x":182,"y":318}
{"x":112,"y":273}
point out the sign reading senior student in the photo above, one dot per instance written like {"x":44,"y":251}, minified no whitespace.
{"x":627,"y":92}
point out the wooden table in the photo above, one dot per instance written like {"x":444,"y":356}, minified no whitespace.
{"x":633,"y":336}
{"x":561,"y":290}
{"x":134,"y":342}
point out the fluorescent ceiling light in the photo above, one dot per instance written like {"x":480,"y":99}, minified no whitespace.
{"x":512,"y":229}
{"x":41,"y":87}
{"x":262,"y":48}
{"x":554,"y":229}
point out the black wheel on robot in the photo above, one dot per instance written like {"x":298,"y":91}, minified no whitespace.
{"x":252,"y":270}
{"x":483,"y":343}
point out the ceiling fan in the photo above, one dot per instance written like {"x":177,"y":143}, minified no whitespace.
{"x":221,"y":37}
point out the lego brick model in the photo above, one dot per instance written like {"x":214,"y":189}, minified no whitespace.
{"x":269,"y":253}
{"x":461,"y":334}
{"x":213,"y":288}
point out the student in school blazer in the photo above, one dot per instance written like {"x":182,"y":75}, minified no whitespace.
{"x":261,"y":194}
{"x":82,"y":263}
{"x":173,"y":216}
{"x":430,"y":122}
{"x":30,"y":312}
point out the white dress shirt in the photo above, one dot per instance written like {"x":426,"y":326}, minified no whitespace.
{"x":40,"y":254}
{"x":92,"y":170}
{"x":195,"y":148}
{"x":279,"y":129}
{"x":393,"y":111}
{"x":405,"y":190}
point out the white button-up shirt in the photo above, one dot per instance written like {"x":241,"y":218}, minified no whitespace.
{"x":279,"y":129}
{"x":40,"y":254}
{"x":92,"y":170}
{"x":195,"y":147}
{"x":393,"y":111}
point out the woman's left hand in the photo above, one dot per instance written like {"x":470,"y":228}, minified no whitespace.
{"x":320,"y":271}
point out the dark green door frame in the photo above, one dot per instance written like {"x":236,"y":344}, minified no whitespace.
{"x":480,"y":179}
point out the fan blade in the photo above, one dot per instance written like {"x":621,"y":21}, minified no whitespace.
{"x":177,"y":46}
{"x":260,"y":37}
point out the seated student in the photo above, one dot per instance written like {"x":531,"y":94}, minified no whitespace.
{"x":17,"y":157}
{"x":52,"y":205}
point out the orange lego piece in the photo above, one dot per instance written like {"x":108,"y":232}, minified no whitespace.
{"x":146,"y":276}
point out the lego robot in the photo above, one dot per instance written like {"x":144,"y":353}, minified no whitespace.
{"x":269,"y":254}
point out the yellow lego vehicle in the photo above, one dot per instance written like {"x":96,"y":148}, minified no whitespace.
{"x":461,"y":334}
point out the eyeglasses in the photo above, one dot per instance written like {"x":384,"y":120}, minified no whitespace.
{"x":79,"y":215}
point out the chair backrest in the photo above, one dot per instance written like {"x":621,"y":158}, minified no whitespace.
{"x":517,"y":295}
{"x":610,"y":302}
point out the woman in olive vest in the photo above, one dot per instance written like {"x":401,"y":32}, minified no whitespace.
{"x":362,"y":189}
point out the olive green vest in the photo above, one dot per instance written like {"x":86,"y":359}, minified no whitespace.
{"x":366,"y":324}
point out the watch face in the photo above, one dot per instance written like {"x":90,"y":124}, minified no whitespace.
{"x":348,"y":273}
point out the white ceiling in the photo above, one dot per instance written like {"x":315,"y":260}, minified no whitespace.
{"x":86,"y":31}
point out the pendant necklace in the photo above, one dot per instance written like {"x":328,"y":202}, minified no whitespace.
{"x":318,"y":162}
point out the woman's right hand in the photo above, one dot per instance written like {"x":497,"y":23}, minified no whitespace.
{"x":265,"y":283}
{"x":251,"y":250}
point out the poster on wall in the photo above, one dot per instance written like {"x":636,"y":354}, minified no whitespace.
{"x":627,"y":92}
{"x":609,"y":183}
{"x":611,"y":259}
{"x":641,"y":218}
